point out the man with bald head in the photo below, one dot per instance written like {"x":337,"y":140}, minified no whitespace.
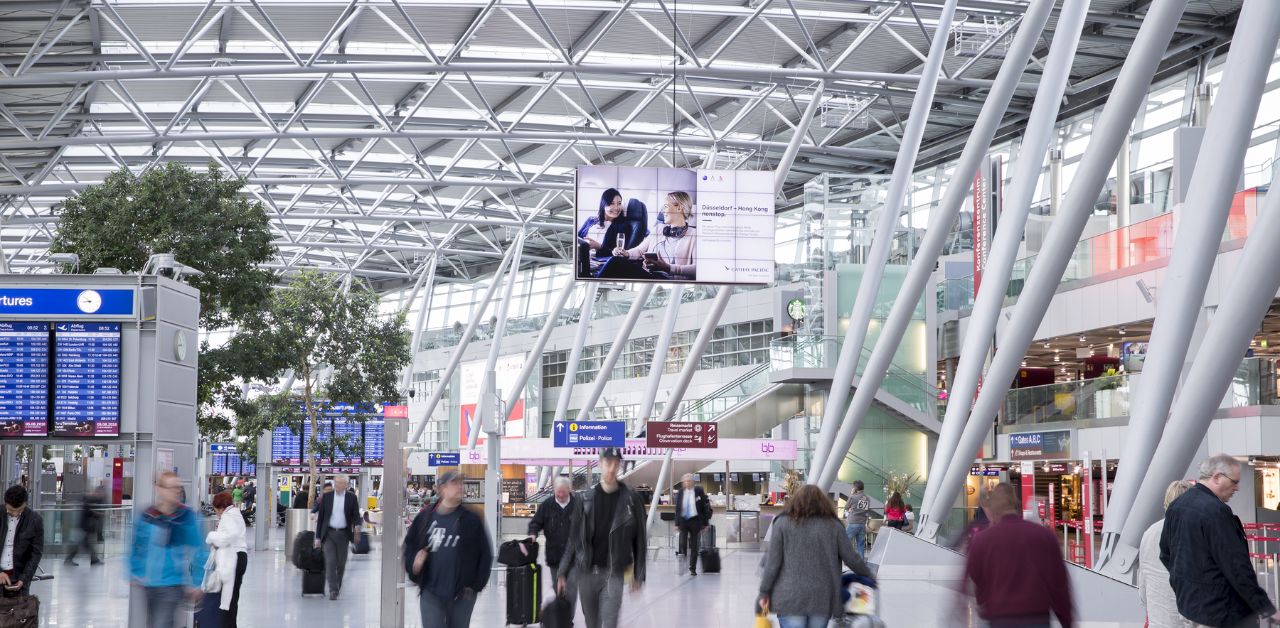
{"x":335,"y":528}
{"x":1015,"y":568}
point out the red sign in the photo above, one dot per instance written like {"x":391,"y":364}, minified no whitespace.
{"x":682,"y":435}
{"x":395,"y":412}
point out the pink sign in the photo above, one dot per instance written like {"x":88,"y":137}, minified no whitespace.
{"x":543,"y":451}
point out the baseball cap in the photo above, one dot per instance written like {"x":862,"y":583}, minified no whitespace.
{"x":447,"y":477}
{"x":611,"y":452}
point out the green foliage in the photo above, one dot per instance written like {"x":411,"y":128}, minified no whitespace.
{"x":202,"y":218}
{"x":311,"y":326}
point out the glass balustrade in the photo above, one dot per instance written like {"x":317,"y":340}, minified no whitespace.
{"x":62,"y":529}
{"x":1254,"y":384}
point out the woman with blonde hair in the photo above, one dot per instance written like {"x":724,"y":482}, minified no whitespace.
{"x":671,"y":250}
{"x":1153,"y":579}
{"x":801,"y":580}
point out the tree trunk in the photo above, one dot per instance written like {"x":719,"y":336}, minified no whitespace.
{"x":311,"y":445}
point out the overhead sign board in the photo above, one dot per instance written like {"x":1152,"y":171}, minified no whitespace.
{"x":544,"y":451}
{"x":395,"y":412}
{"x":222,"y":447}
{"x":589,"y":433}
{"x":1050,"y":445}
{"x":444,"y":459}
{"x":63,"y":302}
{"x":685,"y":435}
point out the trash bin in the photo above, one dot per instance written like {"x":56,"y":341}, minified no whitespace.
{"x":295,"y":520}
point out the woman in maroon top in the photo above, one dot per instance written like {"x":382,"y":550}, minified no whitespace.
{"x":895,"y":511}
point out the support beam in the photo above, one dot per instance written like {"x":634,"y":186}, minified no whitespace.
{"x":575,"y":352}
{"x":427,"y":279}
{"x":488,"y":394}
{"x":793,"y":148}
{"x":659,"y":357}
{"x":1004,"y":249}
{"x":940,"y":222}
{"x":878,"y":257}
{"x":615,"y":352}
{"x":456,"y":358}
{"x":1213,"y":182}
{"x":533,"y":362}
{"x":1130,"y":91}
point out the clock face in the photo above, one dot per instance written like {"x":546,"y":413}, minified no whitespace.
{"x":795,"y":309}
{"x":89,"y":301}
{"x":180,"y":345}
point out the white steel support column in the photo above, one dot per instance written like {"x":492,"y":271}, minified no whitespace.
{"x":1213,"y":182}
{"x":1247,"y":300}
{"x":615,"y":351}
{"x":427,"y":279}
{"x":488,"y":391}
{"x":659,"y":357}
{"x":940,"y":221}
{"x":1130,"y":90}
{"x":793,"y":147}
{"x":456,"y":358}
{"x":869,"y":286}
{"x":1055,"y":180}
{"x":575,"y":352}
{"x":533,"y":361}
{"x":1003,"y":251}
{"x":681,"y":386}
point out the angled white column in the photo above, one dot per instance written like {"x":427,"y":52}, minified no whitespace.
{"x":488,"y":394}
{"x":615,"y":351}
{"x":700,"y":343}
{"x":1003,"y":251}
{"x":575,"y":352}
{"x":869,"y":286}
{"x":456,"y":357}
{"x":533,"y":360}
{"x":1199,"y":234}
{"x":659,"y":357}
{"x":1113,"y":125}
{"x":940,"y":221}
{"x":428,"y":279}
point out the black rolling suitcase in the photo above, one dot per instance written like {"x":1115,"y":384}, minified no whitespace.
{"x":313,"y":583}
{"x":524,"y":594}
{"x":707,"y":551}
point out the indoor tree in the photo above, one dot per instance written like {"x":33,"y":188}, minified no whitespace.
{"x":338,"y":346}
{"x":206,"y":221}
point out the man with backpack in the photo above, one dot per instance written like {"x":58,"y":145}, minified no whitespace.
{"x":447,"y":553}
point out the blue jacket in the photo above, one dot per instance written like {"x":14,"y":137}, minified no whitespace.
{"x":168,"y":550}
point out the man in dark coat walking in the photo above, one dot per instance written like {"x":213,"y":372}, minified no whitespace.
{"x":693,"y":513}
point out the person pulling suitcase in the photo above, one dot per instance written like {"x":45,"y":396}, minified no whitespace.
{"x":448,"y":555}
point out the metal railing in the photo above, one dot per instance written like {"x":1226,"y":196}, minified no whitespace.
{"x":823,"y":352}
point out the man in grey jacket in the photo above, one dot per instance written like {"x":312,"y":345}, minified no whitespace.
{"x":856,"y":512}
{"x":607,"y":536}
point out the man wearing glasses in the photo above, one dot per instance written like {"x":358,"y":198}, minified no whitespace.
{"x":1204,"y":548}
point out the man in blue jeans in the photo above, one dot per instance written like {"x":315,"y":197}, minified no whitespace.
{"x":168,"y":553}
{"x":448,"y":555}
{"x":856,"y":511}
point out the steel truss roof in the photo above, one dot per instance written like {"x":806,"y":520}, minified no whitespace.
{"x":377,"y":132}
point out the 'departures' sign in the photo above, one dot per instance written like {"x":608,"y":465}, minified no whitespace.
{"x":1051,"y":445}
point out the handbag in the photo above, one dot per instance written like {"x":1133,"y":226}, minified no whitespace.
{"x":762,"y":617}
{"x":518,"y":553}
{"x":212,"y":583}
{"x":19,"y":611}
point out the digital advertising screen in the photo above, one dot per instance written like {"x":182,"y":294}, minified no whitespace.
{"x":86,"y":381}
{"x":674,"y":225}
{"x":471,"y":380}
{"x":24,"y":379}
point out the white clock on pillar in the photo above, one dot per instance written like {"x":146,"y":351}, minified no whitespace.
{"x":179,"y":345}
{"x":89,"y":301}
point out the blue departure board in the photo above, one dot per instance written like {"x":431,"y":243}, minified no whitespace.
{"x":374,"y":441}
{"x":24,"y":379}
{"x":218,"y":464}
{"x":351,"y":430}
{"x":86,"y":381}
{"x":233,"y":464}
{"x":247,"y":467}
{"x":286,"y":446}
{"x":325,"y":429}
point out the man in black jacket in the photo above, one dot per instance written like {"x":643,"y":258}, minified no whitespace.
{"x":336,"y":526}
{"x":608,"y":536}
{"x":555,"y":518}
{"x":693,"y":513}
{"x":448,"y":555}
{"x":23,"y":533}
{"x":1204,"y":548}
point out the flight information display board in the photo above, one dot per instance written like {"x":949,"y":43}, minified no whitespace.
{"x":352,"y":432}
{"x":374,"y":441}
{"x":86,"y":381}
{"x":24,"y":379}
{"x":286,"y":446}
{"x":218,"y":464}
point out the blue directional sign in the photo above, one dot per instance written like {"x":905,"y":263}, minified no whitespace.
{"x":444,"y":459}
{"x":589,"y":433}
{"x":66,"y":302}
{"x":222,"y":447}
